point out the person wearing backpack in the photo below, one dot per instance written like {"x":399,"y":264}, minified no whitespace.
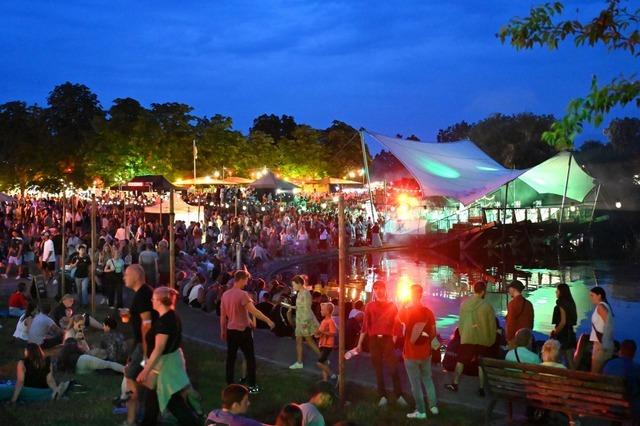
{"x":519,"y":312}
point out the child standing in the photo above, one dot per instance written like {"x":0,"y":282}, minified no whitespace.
{"x":327,"y":337}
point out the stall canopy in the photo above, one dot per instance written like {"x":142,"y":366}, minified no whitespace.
{"x":270,"y":182}
{"x":462,"y":171}
{"x":148,"y":183}
{"x":236,"y":180}
{"x":199,"y":181}
{"x":183,"y":211}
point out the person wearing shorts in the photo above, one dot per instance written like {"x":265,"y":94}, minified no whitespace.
{"x":327,"y":338}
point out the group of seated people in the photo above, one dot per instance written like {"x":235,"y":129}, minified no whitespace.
{"x":60,"y":331}
{"x":235,"y":405}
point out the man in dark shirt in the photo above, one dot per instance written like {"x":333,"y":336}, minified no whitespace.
{"x":140,"y":314}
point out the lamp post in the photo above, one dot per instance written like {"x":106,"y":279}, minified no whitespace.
{"x":172,"y":241}
{"x":342,"y":279}
{"x":94,"y":253}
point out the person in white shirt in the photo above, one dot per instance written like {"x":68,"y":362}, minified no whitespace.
{"x":521,"y":352}
{"x":551,"y":354}
{"x":48,"y":255}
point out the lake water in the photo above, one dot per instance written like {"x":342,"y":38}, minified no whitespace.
{"x":447,"y":283}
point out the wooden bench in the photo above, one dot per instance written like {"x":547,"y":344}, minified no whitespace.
{"x":574,"y":393}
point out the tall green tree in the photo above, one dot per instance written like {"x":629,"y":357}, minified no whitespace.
{"x":24,"y":145}
{"x":615,"y":27}
{"x":73,"y":115}
{"x":515,"y":141}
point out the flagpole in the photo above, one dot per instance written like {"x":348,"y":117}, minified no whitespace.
{"x":195,"y":188}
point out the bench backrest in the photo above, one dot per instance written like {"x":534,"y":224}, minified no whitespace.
{"x":555,"y":389}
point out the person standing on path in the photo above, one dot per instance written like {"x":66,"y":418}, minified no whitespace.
{"x":477,"y":334}
{"x":381,"y":326}
{"x":420,"y":330}
{"x":519,"y":312}
{"x":140,"y":315}
{"x":601,"y":329}
{"x":565,"y":318}
{"x":235,"y":327}
{"x":306,"y":321}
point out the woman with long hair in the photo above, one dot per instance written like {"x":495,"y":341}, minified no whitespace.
{"x":601,"y":329}
{"x":164,"y":372}
{"x":34,"y":379}
{"x":23,"y":324}
{"x":306,"y":321}
{"x":565,"y":318}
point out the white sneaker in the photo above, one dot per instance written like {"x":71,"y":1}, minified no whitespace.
{"x":383,"y":402}
{"x":434,"y":411}
{"x":402,"y":402}
{"x":296,"y":366}
{"x":417,"y":415}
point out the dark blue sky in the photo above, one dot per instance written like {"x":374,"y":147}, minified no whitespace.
{"x":396,"y":67}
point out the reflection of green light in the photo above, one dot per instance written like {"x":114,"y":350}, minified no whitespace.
{"x":487,"y":169}
{"x":440,"y":169}
{"x":447,"y":321}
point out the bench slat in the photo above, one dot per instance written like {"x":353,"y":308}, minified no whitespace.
{"x":563,"y":394}
{"x":568,"y":385}
{"x":615,"y":387}
{"x":580,"y":375}
{"x":553,"y":404}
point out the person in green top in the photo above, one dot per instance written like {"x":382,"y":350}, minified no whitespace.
{"x":477,"y":328}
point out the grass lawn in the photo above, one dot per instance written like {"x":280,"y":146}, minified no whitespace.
{"x":206,"y":369}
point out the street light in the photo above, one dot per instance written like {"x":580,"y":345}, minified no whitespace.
{"x":216,"y":174}
{"x":618,"y":205}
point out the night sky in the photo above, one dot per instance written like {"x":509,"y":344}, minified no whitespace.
{"x":395,"y":67}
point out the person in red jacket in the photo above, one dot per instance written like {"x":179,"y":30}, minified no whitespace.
{"x":519,"y":312}
{"x":18,"y":301}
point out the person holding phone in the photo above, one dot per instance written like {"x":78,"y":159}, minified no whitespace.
{"x":420,"y":332}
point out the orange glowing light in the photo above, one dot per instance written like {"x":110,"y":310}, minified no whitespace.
{"x":403,"y":288}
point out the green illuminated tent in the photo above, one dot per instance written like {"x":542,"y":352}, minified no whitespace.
{"x":462,"y":171}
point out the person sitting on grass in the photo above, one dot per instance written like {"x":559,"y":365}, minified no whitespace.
{"x":112,"y":342}
{"x":235,"y":403}
{"x":551,"y":354}
{"x":290,"y":415}
{"x":18,"y":301}
{"x":326,"y":334}
{"x":73,"y":358}
{"x":43,"y":331}
{"x":22,"y":326}
{"x":521,"y":352}
{"x":34,"y":381}
{"x":65,"y":309}
{"x":322,"y":396}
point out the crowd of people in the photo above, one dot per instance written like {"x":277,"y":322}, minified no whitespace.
{"x":134,"y":255}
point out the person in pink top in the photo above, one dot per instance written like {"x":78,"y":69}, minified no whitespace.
{"x":326,"y":334}
{"x":235,"y":327}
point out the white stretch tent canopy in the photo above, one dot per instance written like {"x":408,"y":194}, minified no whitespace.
{"x":183,"y":211}
{"x":550,"y":177}
{"x":462,"y":171}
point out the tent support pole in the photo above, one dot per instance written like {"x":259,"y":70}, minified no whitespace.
{"x":504,"y":236}
{"x":366,"y":171}
{"x":564,"y":196}
{"x":593,"y":211}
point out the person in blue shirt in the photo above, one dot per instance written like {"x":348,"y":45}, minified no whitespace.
{"x":623,"y":366}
